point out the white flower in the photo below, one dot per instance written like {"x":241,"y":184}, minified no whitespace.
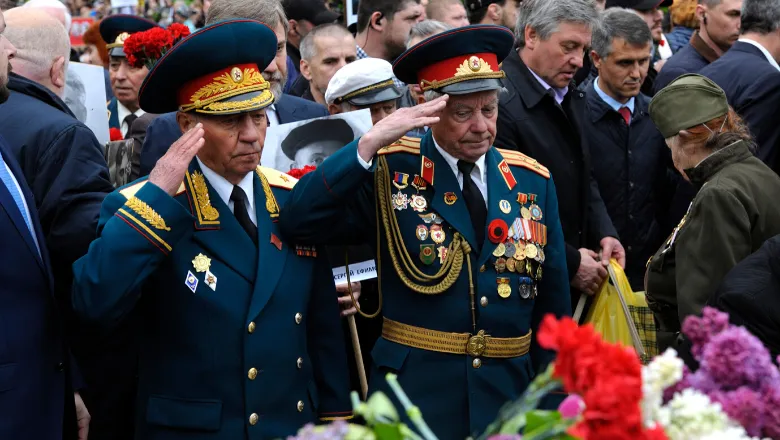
{"x":664,"y":371}
{"x":691,"y":415}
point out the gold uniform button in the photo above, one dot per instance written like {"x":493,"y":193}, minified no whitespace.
{"x":300,"y":406}
{"x":251,"y":327}
{"x":298,"y":318}
{"x":300,"y":363}
{"x":483,"y":301}
{"x":252,"y":373}
{"x":253,"y":419}
{"x":476,"y":363}
{"x":483,"y":268}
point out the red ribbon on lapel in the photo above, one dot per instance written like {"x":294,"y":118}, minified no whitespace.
{"x":426,"y":170}
{"x":509,"y":178}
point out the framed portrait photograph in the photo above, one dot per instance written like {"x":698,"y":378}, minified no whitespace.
{"x":88,"y":104}
{"x":310,"y":142}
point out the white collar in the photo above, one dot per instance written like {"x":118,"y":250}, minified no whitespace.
{"x":224,"y":188}
{"x":453,"y":163}
{"x":122,"y":112}
{"x":763,"y":50}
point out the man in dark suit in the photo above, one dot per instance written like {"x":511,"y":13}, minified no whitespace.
{"x":35,"y":388}
{"x":750,"y":76}
{"x":541,"y":116}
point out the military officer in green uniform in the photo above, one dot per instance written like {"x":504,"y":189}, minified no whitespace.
{"x":241,"y":336}
{"x":467,"y":238}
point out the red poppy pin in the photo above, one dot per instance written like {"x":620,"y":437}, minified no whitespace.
{"x":497,"y":230}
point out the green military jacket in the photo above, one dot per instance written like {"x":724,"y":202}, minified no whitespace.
{"x":733,"y":213}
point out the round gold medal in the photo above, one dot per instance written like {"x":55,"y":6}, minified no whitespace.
{"x":504,"y":291}
{"x":525,"y":213}
{"x":499,"y":250}
{"x":530,"y":250}
{"x":510,"y":264}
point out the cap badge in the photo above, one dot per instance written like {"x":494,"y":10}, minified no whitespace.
{"x":120,"y":39}
{"x":237,"y":75}
{"x":473,"y":65}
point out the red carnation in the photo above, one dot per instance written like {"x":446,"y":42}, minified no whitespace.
{"x":115,"y":134}
{"x":497,"y":231}
{"x":178,"y":31}
{"x":300,"y":172}
{"x":145,"y":48}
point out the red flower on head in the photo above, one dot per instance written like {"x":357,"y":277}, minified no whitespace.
{"x":178,"y":31}
{"x":300,"y":172}
{"x":115,"y":134}
{"x":145,"y":48}
{"x":497,"y":231}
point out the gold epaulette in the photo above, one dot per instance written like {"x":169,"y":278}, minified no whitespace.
{"x":406,"y":144}
{"x":277,"y":178}
{"x":132,"y":189}
{"x":518,"y":159}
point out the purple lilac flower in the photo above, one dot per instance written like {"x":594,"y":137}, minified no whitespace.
{"x":335,"y":431}
{"x":772,"y":412}
{"x":699,"y":330}
{"x":702,"y":381}
{"x":735,"y":358}
{"x":746,"y":407}
{"x":506,"y":437}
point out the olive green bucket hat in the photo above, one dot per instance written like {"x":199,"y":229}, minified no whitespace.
{"x":687,"y":101}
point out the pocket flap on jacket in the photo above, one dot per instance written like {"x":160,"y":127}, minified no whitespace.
{"x":389,"y":354}
{"x":172,"y":412}
{"x":7,"y":377}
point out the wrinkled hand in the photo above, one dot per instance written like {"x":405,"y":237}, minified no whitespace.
{"x":611,"y":248}
{"x":590,"y":274}
{"x":347,"y":308}
{"x":393,"y":127}
{"x":169,"y":171}
{"x":82,"y":417}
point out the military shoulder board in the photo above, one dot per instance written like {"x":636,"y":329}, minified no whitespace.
{"x":404,"y":145}
{"x":515,"y":158}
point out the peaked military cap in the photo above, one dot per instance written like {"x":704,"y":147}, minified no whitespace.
{"x":319,"y":130}
{"x":362,"y":82}
{"x":116,"y":28}
{"x":212,"y":72}
{"x":688,"y":101}
{"x":458,"y":61}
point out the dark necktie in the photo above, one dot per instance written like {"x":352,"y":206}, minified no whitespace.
{"x":475,"y":203}
{"x":242,"y":215}
{"x":626,"y":114}
{"x":129,"y":119}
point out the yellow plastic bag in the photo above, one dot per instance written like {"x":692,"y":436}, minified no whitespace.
{"x":622,"y":315}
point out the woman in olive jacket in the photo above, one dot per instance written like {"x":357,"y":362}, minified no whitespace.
{"x":734,"y":210}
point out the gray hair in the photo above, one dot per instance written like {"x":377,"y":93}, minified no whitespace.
{"x":324,"y":30}
{"x":269,"y":12}
{"x":619,"y":23}
{"x":39,"y":40}
{"x":425,"y":29}
{"x":544,"y":16}
{"x":760,"y":16}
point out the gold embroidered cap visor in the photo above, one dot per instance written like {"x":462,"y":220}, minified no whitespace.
{"x":457,"y":62}
{"x":213,"y":71}
{"x":115,"y":29}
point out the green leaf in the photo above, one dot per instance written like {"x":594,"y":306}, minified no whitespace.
{"x":538,"y":418}
{"x":385,"y":431}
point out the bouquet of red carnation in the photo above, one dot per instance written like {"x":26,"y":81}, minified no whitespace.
{"x":300,"y":172}
{"x":115,"y":134}
{"x":145,"y":48}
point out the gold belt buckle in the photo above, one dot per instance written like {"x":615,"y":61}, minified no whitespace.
{"x":476,"y":344}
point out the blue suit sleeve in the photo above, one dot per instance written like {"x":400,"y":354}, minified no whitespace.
{"x":135,"y":235}
{"x":333,"y":204}
{"x":326,"y":346}
{"x":554,"y":297}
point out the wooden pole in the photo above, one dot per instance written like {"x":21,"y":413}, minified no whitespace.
{"x":361,"y":369}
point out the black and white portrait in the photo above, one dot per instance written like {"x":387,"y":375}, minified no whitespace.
{"x":85,"y":95}
{"x":310,"y":142}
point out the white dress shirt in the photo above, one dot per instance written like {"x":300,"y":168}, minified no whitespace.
{"x":121,"y":113}
{"x":763,"y":50}
{"x":273,"y":117}
{"x":225,"y":189}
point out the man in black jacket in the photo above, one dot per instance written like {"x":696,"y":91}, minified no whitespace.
{"x":541,"y":116}
{"x":631,"y":169}
{"x":748,"y":73}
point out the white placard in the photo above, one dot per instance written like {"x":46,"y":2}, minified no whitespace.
{"x":85,"y":95}
{"x":365,"y":270}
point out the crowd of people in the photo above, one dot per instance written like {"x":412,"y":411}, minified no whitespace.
{"x":167,"y":285}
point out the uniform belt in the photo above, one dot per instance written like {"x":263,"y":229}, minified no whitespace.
{"x":455,"y":343}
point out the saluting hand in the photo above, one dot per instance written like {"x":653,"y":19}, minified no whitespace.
{"x":169,"y":171}
{"x":393,"y":127}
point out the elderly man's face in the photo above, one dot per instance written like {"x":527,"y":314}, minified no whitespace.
{"x":379,"y":111}
{"x":558,"y":58}
{"x":316,"y":153}
{"x":7,"y":52}
{"x":331,"y":54}
{"x":233,"y":143}
{"x":467,"y":126}
{"x":276,"y":72}
{"x":126,"y":81}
